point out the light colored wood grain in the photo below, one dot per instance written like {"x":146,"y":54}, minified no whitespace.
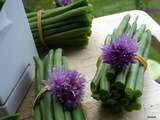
{"x":84,"y":61}
{"x":25,"y":109}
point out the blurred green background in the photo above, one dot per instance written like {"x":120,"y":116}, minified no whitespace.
{"x":106,"y":7}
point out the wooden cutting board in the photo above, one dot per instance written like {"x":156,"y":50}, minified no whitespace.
{"x":84,"y":61}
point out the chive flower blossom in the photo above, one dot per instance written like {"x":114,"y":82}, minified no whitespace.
{"x":120,"y":53}
{"x":63,"y":2}
{"x":67,"y":86}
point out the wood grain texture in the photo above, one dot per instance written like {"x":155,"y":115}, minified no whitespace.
{"x":84,"y":61}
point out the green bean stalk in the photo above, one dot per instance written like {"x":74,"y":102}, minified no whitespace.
{"x":68,"y":25}
{"x":123,"y":89}
{"x":10,"y":117}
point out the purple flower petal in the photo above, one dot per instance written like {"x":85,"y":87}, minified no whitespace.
{"x":67,"y":86}
{"x":63,"y":2}
{"x":121,"y":52}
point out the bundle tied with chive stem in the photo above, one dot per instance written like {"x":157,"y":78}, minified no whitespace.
{"x":67,"y":25}
{"x":58,"y":90}
{"x":118,"y":81}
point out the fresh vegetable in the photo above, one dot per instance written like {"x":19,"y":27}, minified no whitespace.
{"x":140,"y":76}
{"x":77,"y":113}
{"x":39,"y":109}
{"x":63,"y":26}
{"x":48,"y":64}
{"x":58,"y":108}
{"x":53,"y":109}
{"x":129,"y":90}
{"x":122,"y":90}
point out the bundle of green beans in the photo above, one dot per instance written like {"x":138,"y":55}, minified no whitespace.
{"x":49,"y":108}
{"x":122,"y":90}
{"x":64,"y":26}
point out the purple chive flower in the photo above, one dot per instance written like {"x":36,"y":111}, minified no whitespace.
{"x":67,"y":86}
{"x":121,"y":52}
{"x":63,"y":2}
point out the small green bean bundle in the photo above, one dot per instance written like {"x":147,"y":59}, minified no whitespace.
{"x":62,"y":26}
{"x":122,"y":88}
{"x":49,"y":107}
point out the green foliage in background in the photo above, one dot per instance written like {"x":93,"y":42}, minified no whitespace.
{"x":154,"y":4}
{"x":106,"y":7}
{"x":154,"y":54}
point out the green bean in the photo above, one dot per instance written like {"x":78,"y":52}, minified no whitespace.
{"x":86,"y":18}
{"x":123,"y":25}
{"x":128,"y":28}
{"x":38,"y":77}
{"x":10,"y":117}
{"x":58,"y":58}
{"x":110,"y":72}
{"x":65,"y":62}
{"x":133,"y":28}
{"x":131,"y":80}
{"x":139,"y":32}
{"x":58,"y":108}
{"x":104,"y":85}
{"x":64,"y":16}
{"x":77,"y":113}
{"x":124,"y":101}
{"x":136,"y":105}
{"x":59,"y":10}
{"x":114,"y":35}
{"x":62,"y":29}
{"x":67,"y":34}
{"x":120,"y":80}
{"x":48,"y":64}
{"x":67,"y":115}
{"x":96,"y":80}
{"x":140,"y":76}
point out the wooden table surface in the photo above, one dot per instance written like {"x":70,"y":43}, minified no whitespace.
{"x":84,"y":61}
